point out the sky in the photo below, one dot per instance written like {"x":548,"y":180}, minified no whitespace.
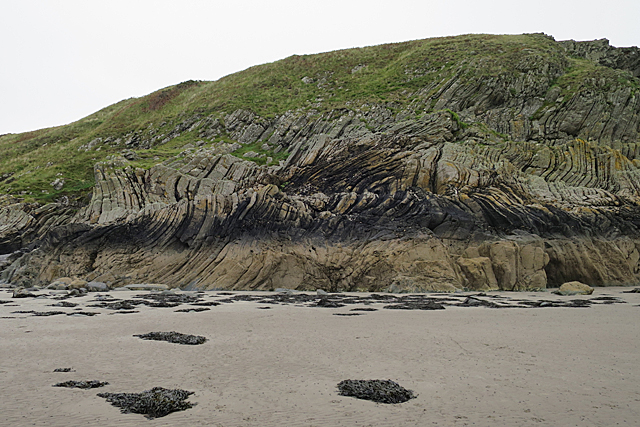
{"x":61,"y":60}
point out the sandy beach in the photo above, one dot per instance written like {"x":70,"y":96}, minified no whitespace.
{"x":278,"y":364}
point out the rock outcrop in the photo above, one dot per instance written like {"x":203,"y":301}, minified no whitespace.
{"x":508,"y":182}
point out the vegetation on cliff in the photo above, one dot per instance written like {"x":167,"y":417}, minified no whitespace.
{"x":412,"y":78}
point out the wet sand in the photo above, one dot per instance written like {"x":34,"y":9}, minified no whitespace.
{"x":468,"y":365}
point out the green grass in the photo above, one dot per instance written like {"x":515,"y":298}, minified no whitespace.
{"x":256,"y":147}
{"x":456,"y":117}
{"x":586,"y":75}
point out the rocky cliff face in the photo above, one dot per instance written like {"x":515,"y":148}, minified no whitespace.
{"x":505,"y":181}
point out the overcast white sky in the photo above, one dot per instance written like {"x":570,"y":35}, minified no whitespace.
{"x":61,"y":60}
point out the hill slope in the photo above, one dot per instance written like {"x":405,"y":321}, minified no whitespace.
{"x":474,"y":161}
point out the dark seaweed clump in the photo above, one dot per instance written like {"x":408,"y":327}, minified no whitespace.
{"x":206,"y":304}
{"x":428,"y":305}
{"x":48,"y":313}
{"x":63,"y":304}
{"x":153,"y":403}
{"x":380,"y":391}
{"x":167,"y":299}
{"x":39,"y":313}
{"x":62,"y":370}
{"x":80,"y":384}
{"x":327,"y":303}
{"x":22,"y":294}
{"x":118,"y":305}
{"x":173,"y":337}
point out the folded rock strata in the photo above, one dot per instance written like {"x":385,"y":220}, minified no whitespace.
{"x":504,"y":185}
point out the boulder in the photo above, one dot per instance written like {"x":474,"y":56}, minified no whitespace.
{"x":22,"y":293}
{"x":94,"y":286}
{"x":575,"y":288}
{"x":61,"y":284}
{"x":77,"y":284}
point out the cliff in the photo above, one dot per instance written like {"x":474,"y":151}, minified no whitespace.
{"x":478,"y":162}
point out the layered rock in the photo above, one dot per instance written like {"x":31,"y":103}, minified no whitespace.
{"x":508,"y":183}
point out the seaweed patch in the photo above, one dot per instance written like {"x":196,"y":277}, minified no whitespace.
{"x":81,"y":384}
{"x":379,"y":391}
{"x":173,"y":337}
{"x":153,"y":403}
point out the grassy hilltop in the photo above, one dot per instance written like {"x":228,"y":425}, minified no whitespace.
{"x":402,"y":76}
